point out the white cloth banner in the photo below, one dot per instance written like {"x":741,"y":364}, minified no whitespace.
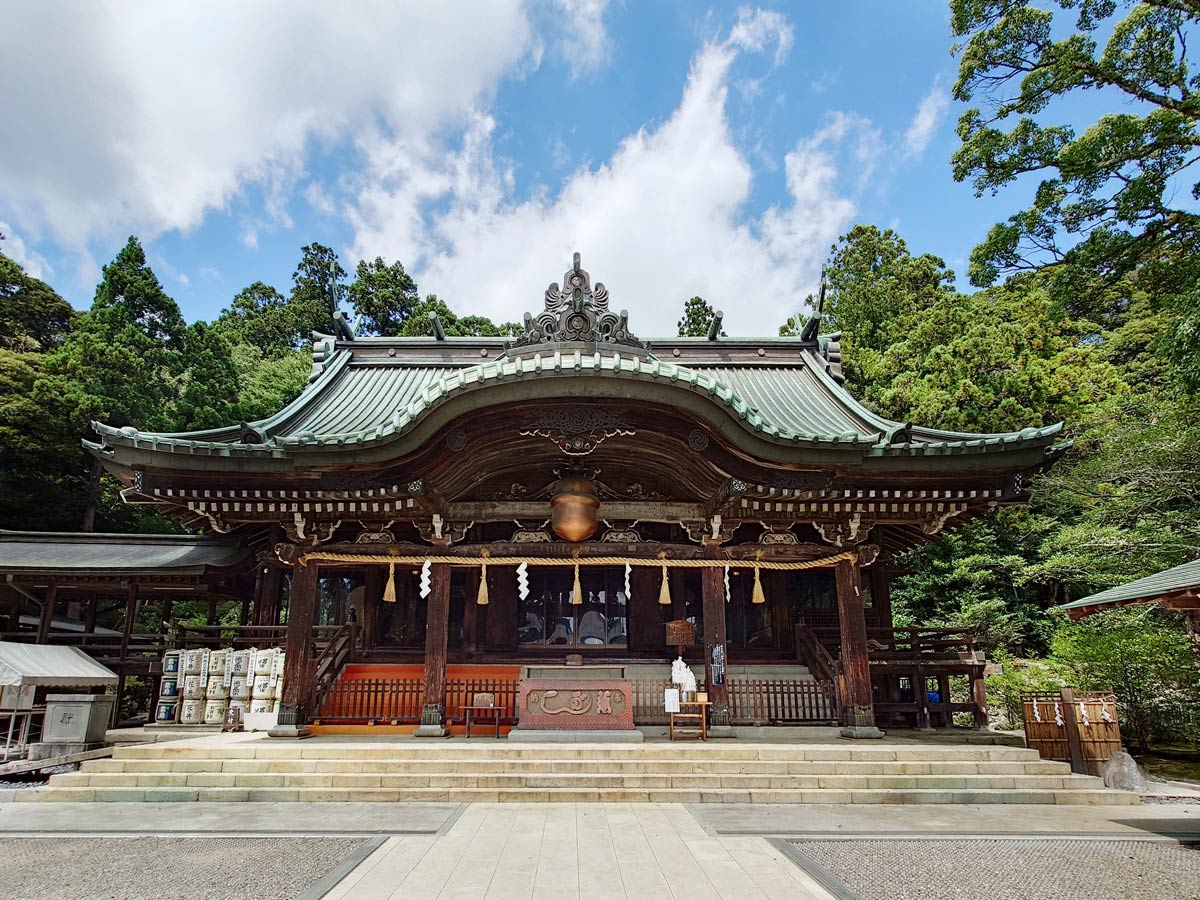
{"x":671,"y":700}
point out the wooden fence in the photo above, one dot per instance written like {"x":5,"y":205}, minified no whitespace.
{"x":752,"y":701}
{"x":1081,"y":729}
{"x":399,"y":700}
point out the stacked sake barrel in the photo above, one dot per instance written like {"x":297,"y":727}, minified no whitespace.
{"x":202,"y":687}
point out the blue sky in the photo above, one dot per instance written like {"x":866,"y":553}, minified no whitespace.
{"x":681,"y":148}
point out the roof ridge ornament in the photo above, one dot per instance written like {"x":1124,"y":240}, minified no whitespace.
{"x":577,"y":313}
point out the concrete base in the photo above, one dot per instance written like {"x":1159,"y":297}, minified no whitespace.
{"x":290,"y":732}
{"x":549,"y":736}
{"x":861,"y":732}
{"x":717,"y":732}
{"x":51,"y":749}
{"x":432,"y":731}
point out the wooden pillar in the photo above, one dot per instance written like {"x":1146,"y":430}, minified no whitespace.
{"x":272,"y":596}
{"x":437,"y":627}
{"x":979,"y":697}
{"x":298,"y":671}
{"x":881,"y":594}
{"x":374,"y":581}
{"x":131,"y":599}
{"x":211,"y":618}
{"x":858,"y":703}
{"x":89,"y":615}
{"x":716,"y":661}
{"x":1071,"y":726}
{"x":49,"y":601}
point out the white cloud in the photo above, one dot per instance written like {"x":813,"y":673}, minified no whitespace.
{"x":318,"y":198}
{"x":585,"y":42}
{"x":930,"y":112}
{"x":144,"y":120}
{"x":22,"y":254}
{"x":665,"y":218}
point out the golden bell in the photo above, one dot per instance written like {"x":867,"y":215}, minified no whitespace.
{"x":574,"y":508}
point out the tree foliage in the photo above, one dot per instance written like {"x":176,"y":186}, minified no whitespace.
{"x":697,"y":318}
{"x":384,"y":297}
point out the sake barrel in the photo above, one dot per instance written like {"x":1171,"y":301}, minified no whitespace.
{"x":261,"y":706}
{"x":193,"y":687}
{"x":216,"y":689}
{"x":192,"y":661}
{"x":239,"y":662}
{"x":214,"y":712}
{"x":166,"y":712}
{"x":263,"y":661}
{"x":171,"y":662}
{"x":191,"y":712}
{"x":169,"y":687}
{"x":217,"y":660}
{"x":239,"y":688}
{"x":262,"y":688}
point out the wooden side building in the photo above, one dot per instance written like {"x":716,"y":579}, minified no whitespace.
{"x":482,"y":502}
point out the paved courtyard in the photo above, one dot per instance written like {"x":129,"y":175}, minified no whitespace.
{"x":593,"y":850}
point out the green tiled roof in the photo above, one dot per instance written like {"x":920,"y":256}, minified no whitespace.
{"x":1171,"y":581}
{"x":115,"y":554}
{"x":357,"y":402}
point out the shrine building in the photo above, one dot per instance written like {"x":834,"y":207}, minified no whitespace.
{"x":435,"y":517}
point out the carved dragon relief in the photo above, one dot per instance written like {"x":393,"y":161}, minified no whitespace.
{"x":577,"y":313}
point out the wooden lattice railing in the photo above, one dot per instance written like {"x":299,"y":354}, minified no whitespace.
{"x":751,"y":700}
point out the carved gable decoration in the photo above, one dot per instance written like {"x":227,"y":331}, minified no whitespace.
{"x":578,"y":313}
{"x":578,"y":429}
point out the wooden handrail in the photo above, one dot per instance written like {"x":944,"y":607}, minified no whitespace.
{"x":330,"y":662}
{"x":811,"y":652}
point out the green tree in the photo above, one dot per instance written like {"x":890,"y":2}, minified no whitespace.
{"x":384,"y":297}
{"x":267,"y":384}
{"x":1108,"y":196}
{"x":260,"y":316}
{"x":999,"y":360}
{"x":1143,"y":655}
{"x":122,"y":363}
{"x":317,"y":291}
{"x":697,"y":318}
{"x":209,"y":388}
{"x":32,"y":315}
{"x":873,"y":283}
{"x":419,"y":323}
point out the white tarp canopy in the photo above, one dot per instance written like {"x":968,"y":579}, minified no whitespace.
{"x":51,"y":666}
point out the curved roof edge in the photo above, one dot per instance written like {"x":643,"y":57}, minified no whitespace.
{"x":879,"y":437}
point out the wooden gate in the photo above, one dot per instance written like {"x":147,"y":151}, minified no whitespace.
{"x":1081,"y":729}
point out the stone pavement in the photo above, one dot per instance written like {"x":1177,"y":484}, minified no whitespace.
{"x":566,"y":850}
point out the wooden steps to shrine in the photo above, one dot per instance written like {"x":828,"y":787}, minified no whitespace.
{"x":331,"y":769}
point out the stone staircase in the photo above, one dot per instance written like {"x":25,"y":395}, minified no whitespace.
{"x":253,"y":767}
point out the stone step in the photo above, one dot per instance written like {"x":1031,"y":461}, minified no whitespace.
{"x":575,"y":795}
{"x":402,"y":765}
{"x":580,"y":781}
{"x":706,"y":752}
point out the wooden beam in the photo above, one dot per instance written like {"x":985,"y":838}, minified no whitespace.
{"x":856,"y":665}
{"x":506,"y":510}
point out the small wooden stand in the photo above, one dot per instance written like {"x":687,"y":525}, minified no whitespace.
{"x":692,"y":720}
